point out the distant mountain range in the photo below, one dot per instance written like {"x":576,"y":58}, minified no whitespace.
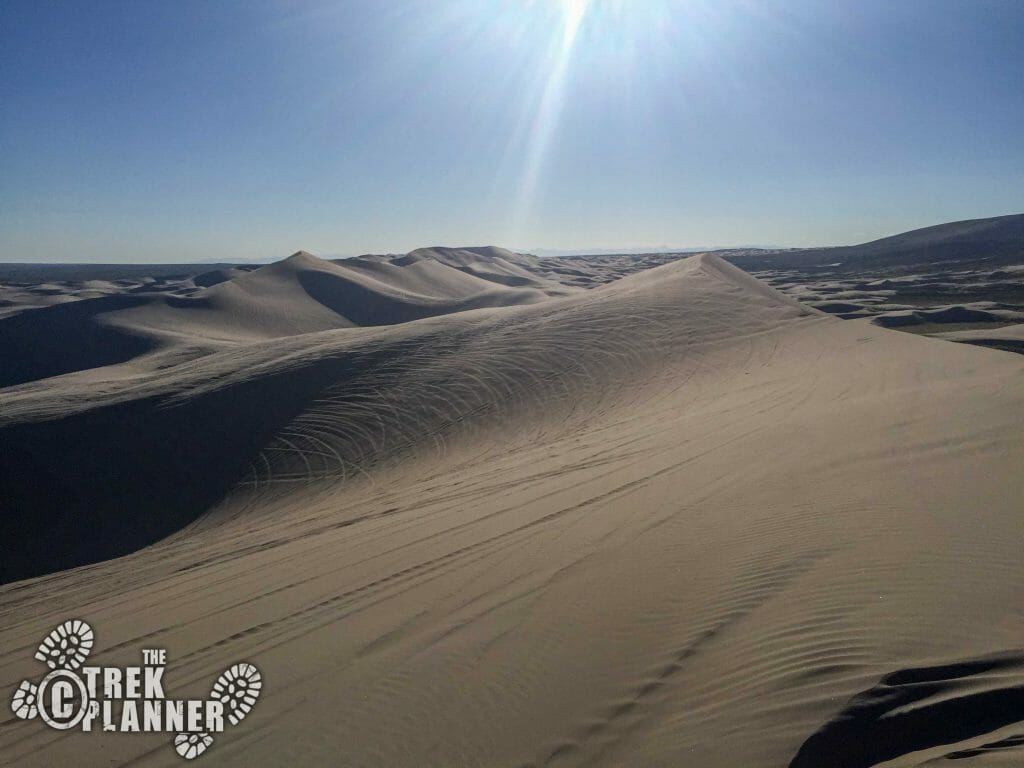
{"x":994,"y":241}
{"x":643,"y":249}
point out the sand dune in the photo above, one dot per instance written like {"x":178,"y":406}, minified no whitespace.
{"x":675,"y":519}
{"x":380,"y":396}
{"x":231,"y":307}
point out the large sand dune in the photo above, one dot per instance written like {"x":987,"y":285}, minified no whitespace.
{"x":675,"y":519}
{"x":152,"y":327}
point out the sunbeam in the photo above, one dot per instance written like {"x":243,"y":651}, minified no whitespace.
{"x":545,"y":119}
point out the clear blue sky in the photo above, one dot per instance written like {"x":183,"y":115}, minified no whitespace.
{"x":187,"y":130}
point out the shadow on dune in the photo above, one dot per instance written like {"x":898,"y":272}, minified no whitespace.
{"x":367,"y":307}
{"x":359,"y":304}
{"x":947,"y":315}
{"x":916,"y":709}
{"x":106,"y":482}
{"x":510,"y":281}
{"x":1006,"y":345}
{"x":64,"y":338}
{"x":1011,"y":743}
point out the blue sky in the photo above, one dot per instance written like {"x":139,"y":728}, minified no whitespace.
{"x":198,"y":130}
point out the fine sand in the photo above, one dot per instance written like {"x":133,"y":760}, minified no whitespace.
{"x":462,"y":509}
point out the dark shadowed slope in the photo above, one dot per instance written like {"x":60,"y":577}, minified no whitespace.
{"x":920,"y":709}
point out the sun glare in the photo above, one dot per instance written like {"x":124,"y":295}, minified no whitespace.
{"x":544,"y":119}
{"x":574,"y":10}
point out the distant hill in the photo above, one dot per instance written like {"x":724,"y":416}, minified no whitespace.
{"x":998,"y":240}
